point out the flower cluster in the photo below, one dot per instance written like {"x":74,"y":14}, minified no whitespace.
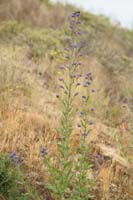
{"x":15,"y":158}
{"x":69,"y":83}
{"x":43,"y":152}
{"x":72,"y":57}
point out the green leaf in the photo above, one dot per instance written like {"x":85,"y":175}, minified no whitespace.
{"x":52,"y":188}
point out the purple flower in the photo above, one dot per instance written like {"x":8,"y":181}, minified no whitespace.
{"x":71,"y":27}
{"x":12,"y":155}
{"x":73,"y":15}
{"x":43,"y":152}
{"x":88,"y":83}
{"x":76,"y":14}
{"x":14,"y":158}
{"x":79,"y":22}
{"x":61,"y":86}
{"x":75,"y":46}
{"x":80,"y":33}
{"x":81,"y":41}
{"x":66,"y":49}
{"x":60,"y":79}
{"x":93,"y":90}
{"x":76,"y":94}
{"x":89,"y":74}
{"x":83,"y":97}
{"x":100,"y":158}
{"x":81,"y":113}
{"x":78,"y":125}
{"x":76,"y":63}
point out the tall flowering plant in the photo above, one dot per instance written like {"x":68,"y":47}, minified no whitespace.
{"x":63,"y":182}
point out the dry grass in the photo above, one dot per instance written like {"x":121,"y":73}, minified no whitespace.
{"x":33,"y":12}
{"x":26,"y":132}
{"x":29,"y":116}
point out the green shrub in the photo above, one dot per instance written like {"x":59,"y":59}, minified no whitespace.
{"x":9,"y":30}
{"x":10,"y":178}
{"x":13,"y":186}
{"x":41,"y":42}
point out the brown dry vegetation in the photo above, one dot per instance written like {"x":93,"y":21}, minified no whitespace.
{"x":30,"y":50}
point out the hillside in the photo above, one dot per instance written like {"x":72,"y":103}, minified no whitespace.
{"x":33,"y":35}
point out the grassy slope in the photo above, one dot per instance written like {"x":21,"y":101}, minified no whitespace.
{"x":30,"y":50}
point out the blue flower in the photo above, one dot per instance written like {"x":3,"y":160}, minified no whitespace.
{"x":66,"y":49}
{"x":75,"y":46}
{"x":14,"y":158}
{"x":88,"y":83}
{"x":76,"y":14}
{"x":43,"y":152}
{"x":81,"y":113}
{"x":78,"y":125}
